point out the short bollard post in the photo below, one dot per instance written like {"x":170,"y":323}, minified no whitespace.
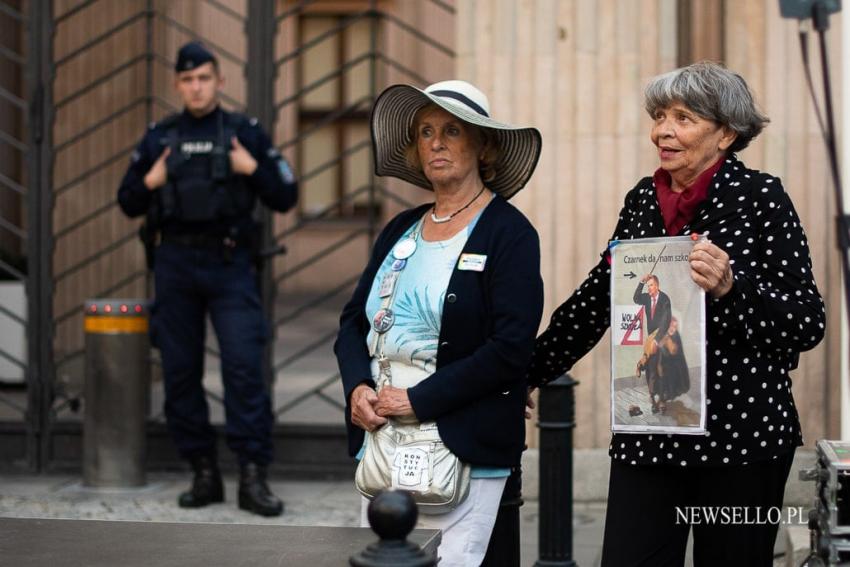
{"x":504,"y":547}
{"x":117,"y":392}
{"x":556,"y":423}
{"x":392,"y":515}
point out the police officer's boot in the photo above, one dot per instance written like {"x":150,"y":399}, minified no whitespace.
{"x":207,"y":487}
{"x":254,"y":493}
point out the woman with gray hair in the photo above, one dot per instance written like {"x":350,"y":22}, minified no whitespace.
{"x":762,"y":310}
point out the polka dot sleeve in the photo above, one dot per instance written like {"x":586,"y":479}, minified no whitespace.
{"x":774,"y":301}
{"x":581,"y":321}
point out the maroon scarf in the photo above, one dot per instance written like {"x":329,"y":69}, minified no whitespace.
{"x":678,"y":209}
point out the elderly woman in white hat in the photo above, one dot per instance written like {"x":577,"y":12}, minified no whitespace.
{"x":450,"y":300}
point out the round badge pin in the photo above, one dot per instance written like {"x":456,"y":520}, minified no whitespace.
{"x":383,"y":320}
{"x":404,"y":249}
{"x":398,"y":265}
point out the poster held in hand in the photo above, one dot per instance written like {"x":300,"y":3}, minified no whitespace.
{"x":657,"y":338}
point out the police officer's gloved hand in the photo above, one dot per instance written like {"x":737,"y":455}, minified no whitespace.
{"x":157,"y":176}
{"x":241,"y":161}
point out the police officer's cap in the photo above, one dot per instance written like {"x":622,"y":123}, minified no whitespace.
{"x":193,"y":55}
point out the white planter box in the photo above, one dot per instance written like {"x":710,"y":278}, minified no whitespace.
{"x":13,"y":335}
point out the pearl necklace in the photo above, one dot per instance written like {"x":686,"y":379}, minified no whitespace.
{"x":441,"y":220}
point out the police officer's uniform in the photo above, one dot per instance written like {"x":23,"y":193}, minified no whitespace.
{"x":203,"y":264}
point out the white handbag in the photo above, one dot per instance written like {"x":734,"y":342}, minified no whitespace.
{"x":405,"y":454}
{"x":412,"y":457}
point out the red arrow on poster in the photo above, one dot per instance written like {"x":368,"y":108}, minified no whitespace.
{"x":634,"y":325}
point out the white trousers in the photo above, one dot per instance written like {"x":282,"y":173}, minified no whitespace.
{"x":467,"y":528}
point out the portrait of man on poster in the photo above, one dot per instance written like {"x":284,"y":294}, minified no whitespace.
{"x":658,"y":312}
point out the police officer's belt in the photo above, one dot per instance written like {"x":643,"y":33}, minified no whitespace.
{"x":200,"y":240}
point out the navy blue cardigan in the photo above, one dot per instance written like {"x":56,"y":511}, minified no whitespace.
{"x":490,"y":320}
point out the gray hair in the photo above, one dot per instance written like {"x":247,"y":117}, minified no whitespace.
{"x":713,"y":92}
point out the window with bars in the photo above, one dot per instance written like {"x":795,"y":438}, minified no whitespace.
{"x":12,"y":140}
{"x":334,"y":152}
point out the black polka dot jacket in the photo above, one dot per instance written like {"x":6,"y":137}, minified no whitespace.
{"x":754,"y":333}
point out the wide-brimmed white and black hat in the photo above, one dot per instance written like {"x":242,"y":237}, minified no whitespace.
{"x":392,"y":121}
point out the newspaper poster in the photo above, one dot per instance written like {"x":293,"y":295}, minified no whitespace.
{"x":657,"y":338}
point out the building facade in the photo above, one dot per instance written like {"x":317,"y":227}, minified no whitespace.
{"x":574,"y":69}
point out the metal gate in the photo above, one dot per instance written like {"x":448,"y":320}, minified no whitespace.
{"x":78,"y":82}
{"x":20,"y":175}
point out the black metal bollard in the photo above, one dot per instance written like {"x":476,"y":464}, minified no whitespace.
{"x":117,"y":392}
{"x":503,"y":549}
{"x":392,"y":515}
{"x":556,"y":423}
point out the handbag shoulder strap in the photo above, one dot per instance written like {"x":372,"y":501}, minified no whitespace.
{"x":376,"y":347}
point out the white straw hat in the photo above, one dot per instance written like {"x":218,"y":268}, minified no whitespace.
{"x":392,"y":121}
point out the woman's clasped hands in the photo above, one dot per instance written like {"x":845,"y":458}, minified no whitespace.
{"x":369,"y":409}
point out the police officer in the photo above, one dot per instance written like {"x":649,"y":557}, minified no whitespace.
{"x":197,"y":175}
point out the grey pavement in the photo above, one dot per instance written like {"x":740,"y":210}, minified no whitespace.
{"x":308,"y":503}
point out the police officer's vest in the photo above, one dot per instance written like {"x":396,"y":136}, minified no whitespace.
{"x":201,"y":187}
